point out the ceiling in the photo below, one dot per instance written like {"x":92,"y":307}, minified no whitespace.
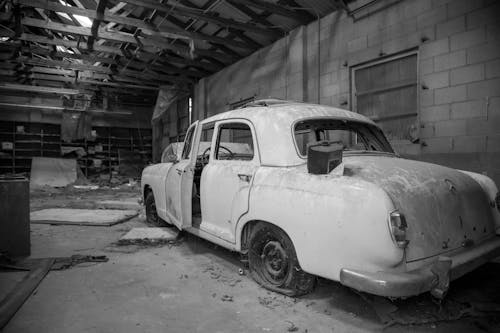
{"x":137,"y":45}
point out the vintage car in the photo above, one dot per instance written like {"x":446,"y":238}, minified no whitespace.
{"x":309,"y":190}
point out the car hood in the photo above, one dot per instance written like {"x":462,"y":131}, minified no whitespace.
{"x":445,"y":209}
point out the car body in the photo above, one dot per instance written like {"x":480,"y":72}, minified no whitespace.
{"x":377,"y":222}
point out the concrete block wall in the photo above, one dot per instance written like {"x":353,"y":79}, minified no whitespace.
{"x":458,"y":45}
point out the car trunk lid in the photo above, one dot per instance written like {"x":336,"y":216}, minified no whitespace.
{"x":445,"y":209}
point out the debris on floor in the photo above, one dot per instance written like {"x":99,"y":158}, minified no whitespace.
{"x":149,"y":236}
{"x":90,"y":217}
{"x":65,"y":263}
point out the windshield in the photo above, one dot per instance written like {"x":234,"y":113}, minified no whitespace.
{"x":352,"y":135}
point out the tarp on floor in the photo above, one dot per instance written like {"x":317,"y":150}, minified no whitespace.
{"x":55,"y":172}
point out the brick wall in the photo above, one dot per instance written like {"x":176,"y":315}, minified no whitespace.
{"x":458,"y":43}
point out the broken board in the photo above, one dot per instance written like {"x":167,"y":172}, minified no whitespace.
{"x":149,"y":235}
{"x":126,"y":203}
{"x":55,"y":172}
{"x":91,"y":217}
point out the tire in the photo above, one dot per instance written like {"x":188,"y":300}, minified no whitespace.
{"x":273,"y":262}
{"x":152,"y":217}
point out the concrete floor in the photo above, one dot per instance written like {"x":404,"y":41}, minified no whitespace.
{"x":194,"y":286}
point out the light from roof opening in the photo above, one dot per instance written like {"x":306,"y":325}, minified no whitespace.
{"x":83,"y":20}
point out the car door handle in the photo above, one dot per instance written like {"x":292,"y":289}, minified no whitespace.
{"x":179,"y":171}
{"x":245,"y":178}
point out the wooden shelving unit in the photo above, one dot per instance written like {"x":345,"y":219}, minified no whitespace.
{"x":102,"y":154}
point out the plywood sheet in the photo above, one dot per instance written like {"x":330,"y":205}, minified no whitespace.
{"x":92,"y":217}
{"x":55,"y":172}
{"x":152,"y":235}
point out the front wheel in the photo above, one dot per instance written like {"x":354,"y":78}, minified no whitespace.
{"x":274,"y":264}
{"x":151,"y":214}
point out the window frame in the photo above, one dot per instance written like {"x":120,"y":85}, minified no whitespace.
{"x":216,"y":136}
{"x":416,"y":83}
{"x":186,"y":155}
{"x":304,"y":157}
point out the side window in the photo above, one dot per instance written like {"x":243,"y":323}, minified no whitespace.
{"x":234,"y":142}
{"x":207,"y":132}
{"x":188,"y":144}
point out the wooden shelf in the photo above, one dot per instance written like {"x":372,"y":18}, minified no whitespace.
{"x":41,"y":140}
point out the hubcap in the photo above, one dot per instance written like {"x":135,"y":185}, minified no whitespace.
{"x":274,"y":262}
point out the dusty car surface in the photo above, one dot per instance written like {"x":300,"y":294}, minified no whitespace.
{"x":308,"y":190}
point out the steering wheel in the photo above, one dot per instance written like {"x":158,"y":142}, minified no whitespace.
{"x":203,"y":158}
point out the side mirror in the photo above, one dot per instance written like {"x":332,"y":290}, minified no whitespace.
{"x":171,"y":159}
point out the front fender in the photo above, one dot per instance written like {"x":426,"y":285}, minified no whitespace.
{"x":154,"y":177}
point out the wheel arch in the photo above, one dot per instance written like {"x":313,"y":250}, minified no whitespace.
{"x":249,"y":228}
{"x":145,"y":191}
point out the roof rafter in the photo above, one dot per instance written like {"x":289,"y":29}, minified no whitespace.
{"x":149,"y":44}
{"x":145,"y":27}
{"x":194,"y":12}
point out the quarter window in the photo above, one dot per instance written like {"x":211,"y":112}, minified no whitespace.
{"x":234,"y":142}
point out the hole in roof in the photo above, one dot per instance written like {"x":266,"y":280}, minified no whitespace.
{"x":83,"y":20}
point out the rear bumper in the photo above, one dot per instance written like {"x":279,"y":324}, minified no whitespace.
{"x":434,"y":277}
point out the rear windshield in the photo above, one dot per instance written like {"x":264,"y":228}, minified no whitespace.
{"x":352,"y":135}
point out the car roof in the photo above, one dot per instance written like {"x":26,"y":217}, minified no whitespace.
{"x":273,"y":122}
{"x":285,"y":111}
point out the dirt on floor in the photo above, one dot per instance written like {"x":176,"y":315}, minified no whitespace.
{"x":194,"y":286}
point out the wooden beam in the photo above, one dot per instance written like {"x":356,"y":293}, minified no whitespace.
{"x":111,"y":50}
{"x":64,"y":64}
{"x":150,"y":44}
{"x":200,"y":14}
{"x":147,"y":29}
{"x":276,"y":9}
{"x":59,"y":108}
{"x":60,"y":78}
{"x":38,"y":89}
{"x":101,"y":6}
{"x":54,"y":54}
{"x":97,"y":69}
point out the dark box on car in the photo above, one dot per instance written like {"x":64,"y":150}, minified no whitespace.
{"x":323,"y":157}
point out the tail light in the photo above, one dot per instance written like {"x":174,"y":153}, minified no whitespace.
{"x":398,"y":228}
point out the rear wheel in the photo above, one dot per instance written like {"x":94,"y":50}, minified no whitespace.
{"x":273,"y":262}
{"x":151,"y":214}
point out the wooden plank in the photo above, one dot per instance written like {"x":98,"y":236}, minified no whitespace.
{"x":20,"y":293}
{"x":64,"y":64}
{"x":114,"y":51}
{"x":147,"y":29}
{"x":194,"y":12}
{"x":61,"y":108}
{"x":150,"y":44}
{"x":97,"y":69}
{"x":38,"y":89}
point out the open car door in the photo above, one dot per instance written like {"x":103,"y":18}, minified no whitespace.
{"x":179,"y":183}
